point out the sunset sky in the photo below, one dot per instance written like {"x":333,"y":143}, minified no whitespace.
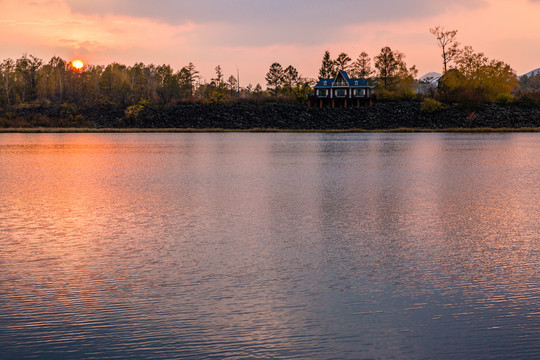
{"x":251,"y":34}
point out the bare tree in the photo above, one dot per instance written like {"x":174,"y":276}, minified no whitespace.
{"x":447,"y":42}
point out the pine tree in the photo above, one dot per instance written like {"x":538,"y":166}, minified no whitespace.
{"x":274,"y":78}
{"x":361,"y":68}
{"x":341,"y":63}
{"x":388,"y":64}
{"x":219,"y":77}
{"x":328,"y":67}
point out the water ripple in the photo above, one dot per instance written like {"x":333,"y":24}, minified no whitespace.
{"x":271,"y":246}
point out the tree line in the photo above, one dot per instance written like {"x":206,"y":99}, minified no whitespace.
{"x":30,"y":79}
{"x":468,"y":77}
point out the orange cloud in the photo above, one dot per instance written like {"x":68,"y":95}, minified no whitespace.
{"x":50,"y":25}
{"x":499,"y":28}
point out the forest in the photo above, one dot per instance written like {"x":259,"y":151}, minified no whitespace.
{"x":470,"y":79}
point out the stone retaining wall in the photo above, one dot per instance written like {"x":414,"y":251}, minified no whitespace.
{"x":383,"y":115}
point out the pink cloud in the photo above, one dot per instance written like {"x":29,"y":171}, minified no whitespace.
{"x":502,"y":29}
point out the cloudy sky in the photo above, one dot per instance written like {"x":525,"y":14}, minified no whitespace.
{"x":251,"y":34}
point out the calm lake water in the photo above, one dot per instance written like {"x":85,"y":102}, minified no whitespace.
{"x":288,"y":246}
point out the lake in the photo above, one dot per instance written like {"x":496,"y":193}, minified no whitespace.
{"x":271,"y":246}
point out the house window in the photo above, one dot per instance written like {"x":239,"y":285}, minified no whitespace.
{"x":326,"y":83}
{"x":356,"y":82}
{"x":321,"y":92}
{"x":360,"y":92}
{"x":340,"y":93}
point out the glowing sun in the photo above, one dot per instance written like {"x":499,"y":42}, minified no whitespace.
{"x":77,"y":64}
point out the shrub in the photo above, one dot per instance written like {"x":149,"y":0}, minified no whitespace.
{"x":504,"y":99}
{"x":431,"y":106}
{"x":79,"y":120}
{"x":404,"y":94}
{"x":133,"y":112}
{"x":527,"y":100}
{"x":384,"y":95}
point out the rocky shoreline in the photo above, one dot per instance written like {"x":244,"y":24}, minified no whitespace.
{"x":380,"y":116}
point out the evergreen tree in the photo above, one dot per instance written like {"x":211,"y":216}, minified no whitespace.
{"x":185,"y":82}
{"x":393,"y":74}
{"x":388,"y":64}
{"x":193,"y":76}
{"x":328,"y":67}
{"x":361,"y":68}
{"x":290,"y":78}
{"x":341,"y":63}
{"x":530,"y":83}
{"x":274,"y":78}
{"x":219,"y":77}
{"x":233,"y":84}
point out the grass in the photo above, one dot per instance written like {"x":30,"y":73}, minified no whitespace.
{"x":257,"y":130}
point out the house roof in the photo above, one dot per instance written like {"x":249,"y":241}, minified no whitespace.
{"x":344,"y":74}
{"x":353,"y":83}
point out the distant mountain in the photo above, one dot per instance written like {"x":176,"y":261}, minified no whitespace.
{"x":432,"y":75}
{"x":531,"y":73}
{"x":428,"y":83}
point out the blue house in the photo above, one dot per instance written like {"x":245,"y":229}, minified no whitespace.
{"x":341,"y":92}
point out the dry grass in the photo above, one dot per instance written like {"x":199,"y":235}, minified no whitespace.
{"x":188,"y":130}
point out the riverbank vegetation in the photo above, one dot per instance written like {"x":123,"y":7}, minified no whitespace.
{"x":36,"y":93}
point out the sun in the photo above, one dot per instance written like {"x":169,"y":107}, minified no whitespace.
{"x":77,"y":64}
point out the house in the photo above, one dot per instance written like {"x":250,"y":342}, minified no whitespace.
{"x":341,"y":92}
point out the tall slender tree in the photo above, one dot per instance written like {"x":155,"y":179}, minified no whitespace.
{"x":342,"y":63}
{"x":193,"y":76}
{"x":361,"y":68}
{"x":138,"y":82}
{"x":233,"y":83}
{"x":7,"y":68}
{"x":27,"y":69}
{"x":219,"y":77}
{"x":290,"y":77}
{"x":54,"y":79}
{"x":328,"y":66}
{"x":393,"y":74}
{"x":448,"y":44}
{"x":274,"y":78}
{"x":387,"y":64}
